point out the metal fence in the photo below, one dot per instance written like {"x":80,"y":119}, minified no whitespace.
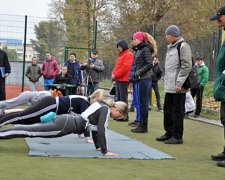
{"x":17,"y":32}
{"x":205,"y":47}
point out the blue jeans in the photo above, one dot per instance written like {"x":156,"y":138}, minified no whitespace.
{"x":142,"y":88}
{"x":92,"y":87}
{"x":47,"y":81}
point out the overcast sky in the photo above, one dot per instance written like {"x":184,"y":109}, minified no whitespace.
{"x":37,"y":8}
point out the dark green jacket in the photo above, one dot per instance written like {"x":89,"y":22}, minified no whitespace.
{"x":219,"y":85}
{"x":33,"y":73}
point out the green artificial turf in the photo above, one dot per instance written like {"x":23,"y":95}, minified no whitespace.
{"x":192,"y":158}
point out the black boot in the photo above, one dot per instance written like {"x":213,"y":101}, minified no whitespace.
{"x":142,"y":128}
{"x":220,"y":156}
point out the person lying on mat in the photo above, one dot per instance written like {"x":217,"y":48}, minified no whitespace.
{"x":59,"y":105}
{"x":94,"y":118}
{"x":25,"y":97}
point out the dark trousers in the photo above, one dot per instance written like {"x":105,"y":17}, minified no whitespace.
{"x":32,"y":114}
{"x":198,"y":92}
{"x":92,"y":87}
{"x":174,"y":109}
{"x":2,"y":89}
{"x":143,"y":90}
{"x":61,"y":126}
{"x":222,"y":115}
{"x":155,"y":87}
{"x":121,"y":91}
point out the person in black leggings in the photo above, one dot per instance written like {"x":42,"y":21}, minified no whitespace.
{"x":94,"y":118}
{"x":59,"y":105}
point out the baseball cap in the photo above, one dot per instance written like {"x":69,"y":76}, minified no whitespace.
{"x":219,"y":13}
{"x":94,"y":52}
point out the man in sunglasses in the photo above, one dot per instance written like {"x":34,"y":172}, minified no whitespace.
{"x":219,"y":85}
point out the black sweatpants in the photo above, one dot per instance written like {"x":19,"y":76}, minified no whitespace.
{"x":2,"y":89}
{"x":198,"y":92}
{"x":61,"y":126}
{"x":32,"y":114}
{"x":222,"y":115}
{"x":174,"y":109}
{"x":121,"y":91}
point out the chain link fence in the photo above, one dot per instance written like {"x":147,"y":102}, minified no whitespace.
{"x":18,"y":36}
{"x":206,"y":47}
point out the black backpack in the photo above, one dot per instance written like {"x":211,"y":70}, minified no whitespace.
{"x":192,"y":79}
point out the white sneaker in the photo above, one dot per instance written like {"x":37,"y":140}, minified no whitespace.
{"x":81,"y":135}
{"x":89,"y":140}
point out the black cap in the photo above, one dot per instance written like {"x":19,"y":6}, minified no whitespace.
{"x":220,"y":12}
{"x":94,"y":52}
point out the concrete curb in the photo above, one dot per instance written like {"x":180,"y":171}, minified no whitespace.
{"x":208,"y":121}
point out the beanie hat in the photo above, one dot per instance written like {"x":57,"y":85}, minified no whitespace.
{"x":173,"y":30}
{"x":139,"y":35}
{"x":123,"y":44}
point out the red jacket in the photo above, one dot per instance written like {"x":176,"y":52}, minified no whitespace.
{"x":123,"y":65}
{"x":50,"y":68}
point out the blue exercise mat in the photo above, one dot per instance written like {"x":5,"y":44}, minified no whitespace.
{"x":74,"y":146}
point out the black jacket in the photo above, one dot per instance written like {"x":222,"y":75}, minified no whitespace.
{"x":156,"y":73}
{"x":142,"y":62}
{"x":4,"y":62}
{"x":67,"y":79}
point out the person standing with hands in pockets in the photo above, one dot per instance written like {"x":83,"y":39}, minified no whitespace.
{"x":5,"y":69}
{"x":33,"y":73}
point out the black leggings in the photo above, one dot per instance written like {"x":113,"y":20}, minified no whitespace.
{"x":32,"y":114}
{"x":61,"y":126}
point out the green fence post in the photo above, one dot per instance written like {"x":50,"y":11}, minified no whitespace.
{"x":24,"y":51}
{"x":153,"y":30}
{"x":219,"y":40}
{"x":150,"y":97}
{"x":65,"y":54}
{"x":95,"y":33}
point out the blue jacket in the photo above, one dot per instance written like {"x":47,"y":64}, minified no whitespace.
{"x":77,"y":78}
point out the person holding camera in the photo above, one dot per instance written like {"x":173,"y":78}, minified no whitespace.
{"x":93,"y":68}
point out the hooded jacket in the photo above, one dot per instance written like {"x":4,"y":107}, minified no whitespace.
{"x":50,"y":68}
{"x":176,"y":71}
{"x":123,"y":64}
